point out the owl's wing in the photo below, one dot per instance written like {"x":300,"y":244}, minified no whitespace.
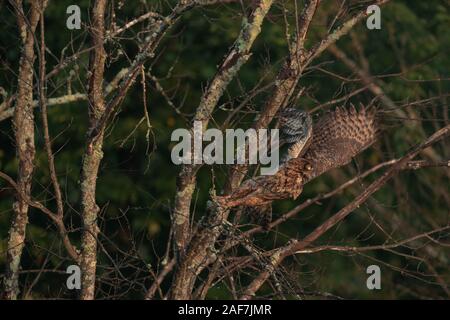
{"x":339,"y":136}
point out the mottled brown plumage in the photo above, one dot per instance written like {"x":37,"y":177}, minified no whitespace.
{"x":286,"y":183}
{"x":337,"y":137}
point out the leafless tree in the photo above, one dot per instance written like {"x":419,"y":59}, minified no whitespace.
{"x":218,"y":247}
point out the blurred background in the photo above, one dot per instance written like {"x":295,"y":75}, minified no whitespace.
{"x":408,"y":60}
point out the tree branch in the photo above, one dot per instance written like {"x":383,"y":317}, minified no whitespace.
{"x":279,"y":254}
{"x":25,"y":145}
{"x":238,"y":55}
{"x":93,"y":154}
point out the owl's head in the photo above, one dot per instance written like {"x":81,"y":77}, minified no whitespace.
{"x":295,"y":130}
{"x":295,"y":125}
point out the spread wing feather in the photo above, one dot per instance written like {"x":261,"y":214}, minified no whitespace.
{"x":339,"y":136}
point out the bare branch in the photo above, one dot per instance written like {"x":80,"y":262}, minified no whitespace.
{"x":279,"y":254}
{"x":238,"y":55}
{"x":93,"y":154}
{"x":24,"y":135}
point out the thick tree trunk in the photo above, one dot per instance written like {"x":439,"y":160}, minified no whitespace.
{"x":93,"y":154}
{"x":25,"y":147}
{"x":238,"y":56}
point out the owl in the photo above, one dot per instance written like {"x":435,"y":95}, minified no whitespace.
{"x":332,"y":142}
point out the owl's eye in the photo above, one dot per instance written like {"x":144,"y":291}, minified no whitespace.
{"x":308,"y":167}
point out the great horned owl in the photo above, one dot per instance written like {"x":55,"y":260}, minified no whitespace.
{"x":335,"y":139}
